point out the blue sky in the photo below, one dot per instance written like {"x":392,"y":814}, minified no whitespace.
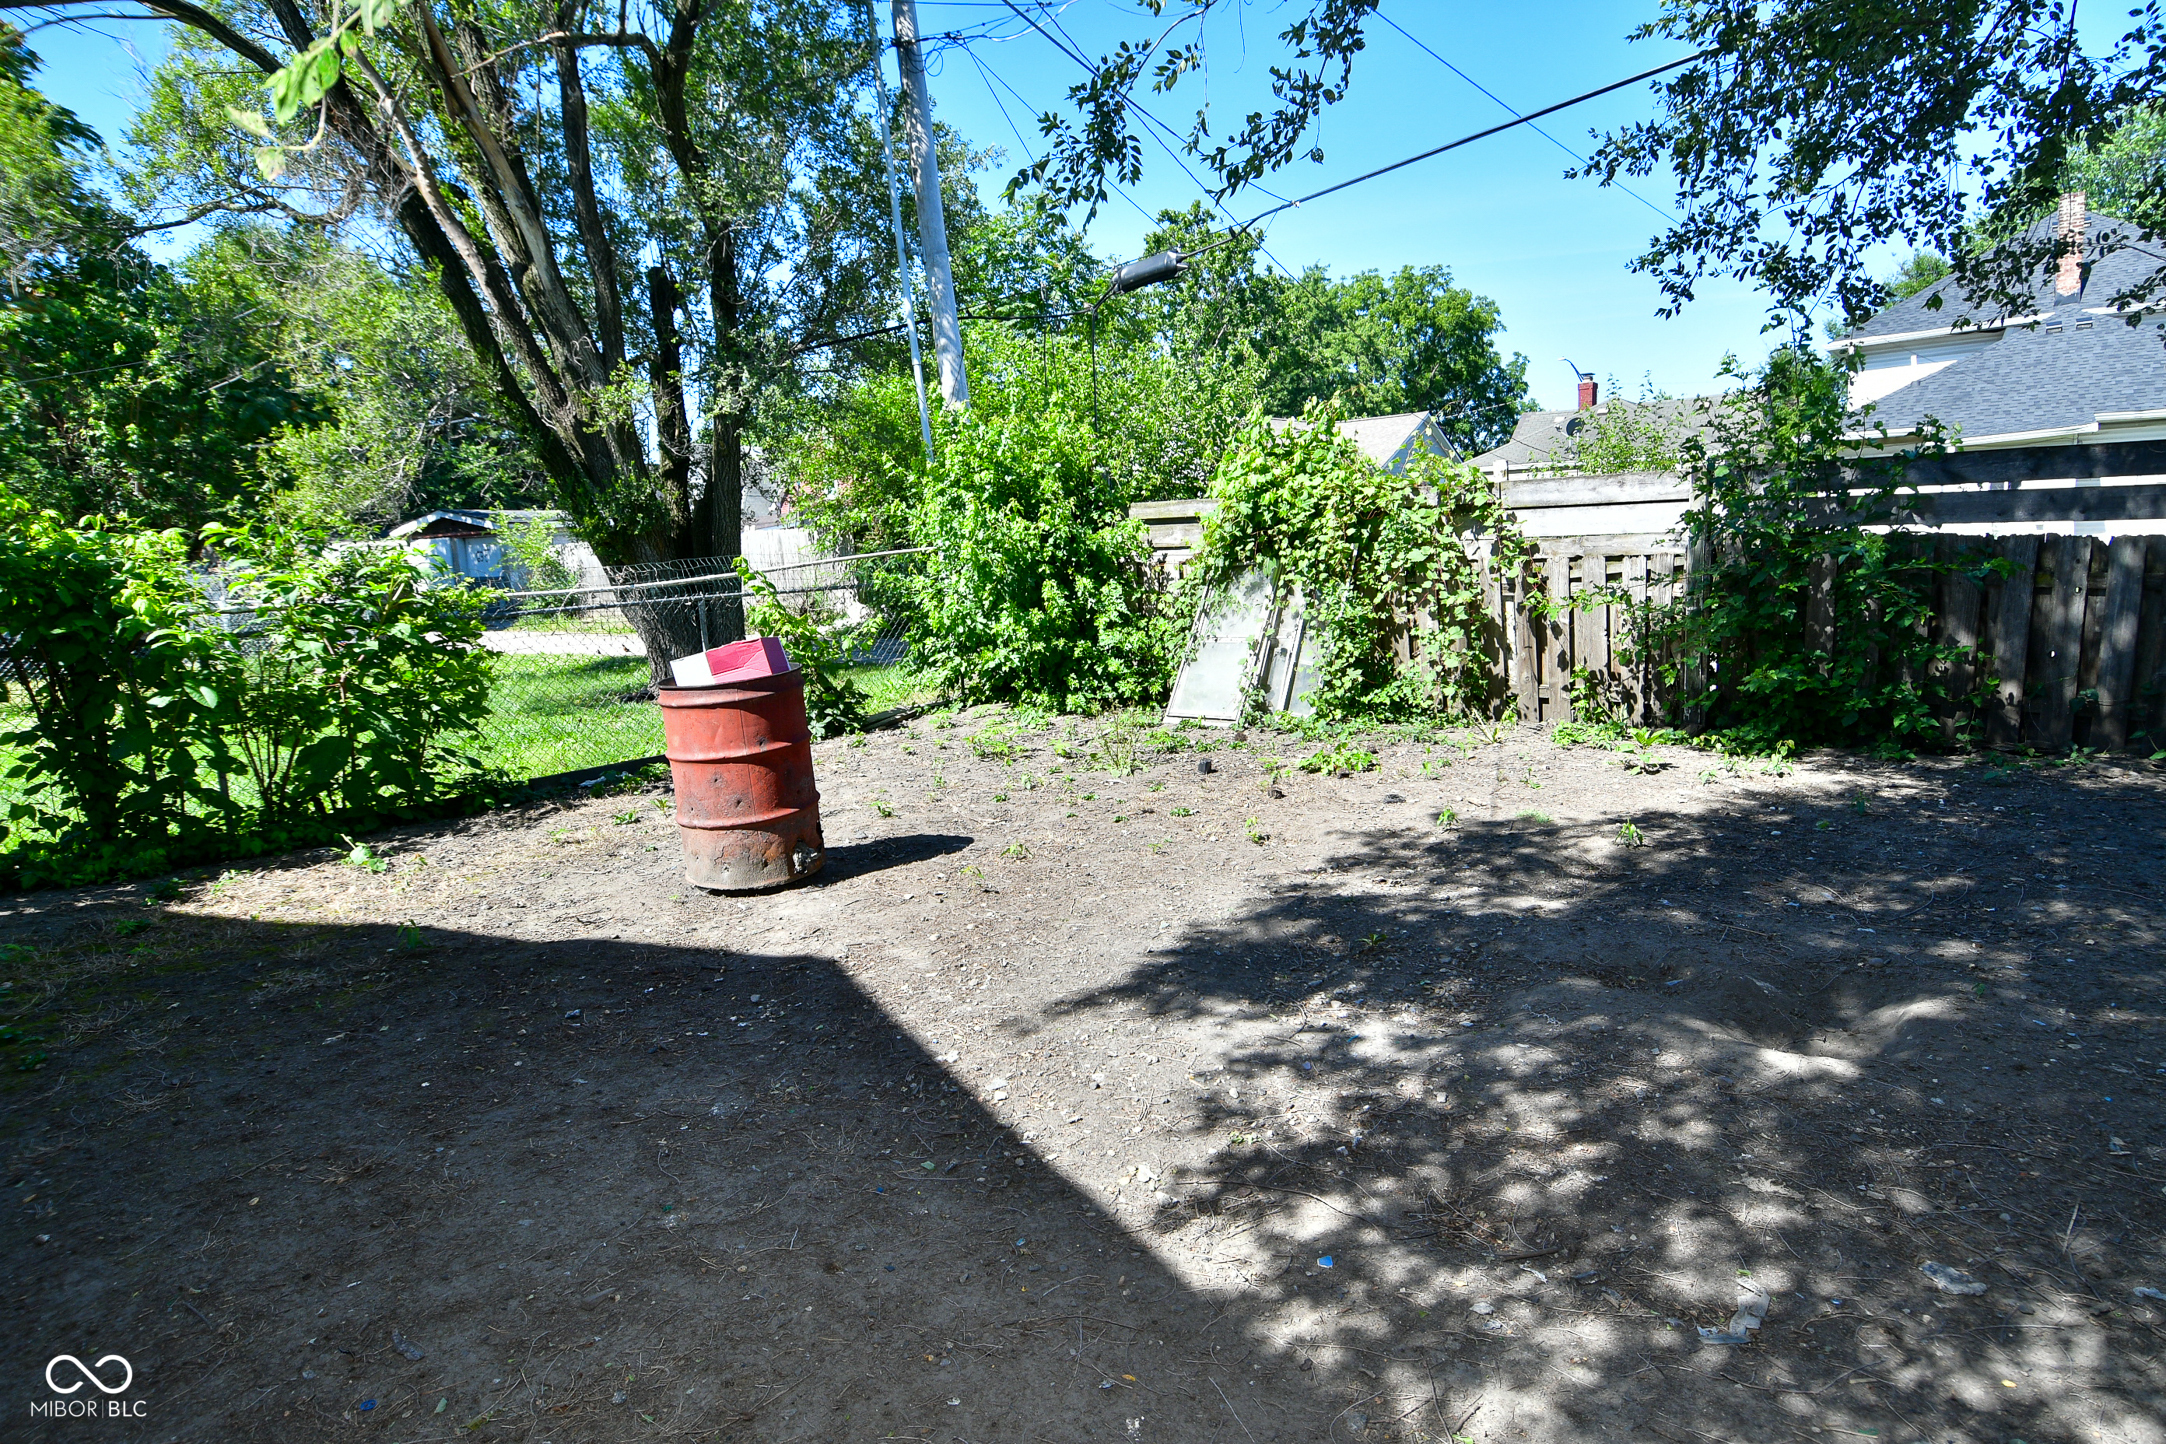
{"x":1499,"y":214}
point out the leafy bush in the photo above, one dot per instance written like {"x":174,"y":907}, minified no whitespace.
{"x":100,"y":637}
{"x":833,"y":703}
{"x":1039,"y":589}
{"x":162,"y":729}
{"x":532,"y":543}
{"x":1376,"y":556}
{"x":1163,"y":420}
{"x":352,"y":677}
{"x":1813,"y":629}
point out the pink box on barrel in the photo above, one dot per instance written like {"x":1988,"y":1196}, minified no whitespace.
{"x":734,"y":662}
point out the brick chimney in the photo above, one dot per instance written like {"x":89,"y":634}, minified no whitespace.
{"x":2068,"y":279}
{"x":1588,"y":390}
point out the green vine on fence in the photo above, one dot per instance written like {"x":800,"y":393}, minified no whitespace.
{"x":1390,"y":567}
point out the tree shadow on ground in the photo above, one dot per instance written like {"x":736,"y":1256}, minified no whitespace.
{"x":326,"y":1181}
{"x":1512,"y":1114}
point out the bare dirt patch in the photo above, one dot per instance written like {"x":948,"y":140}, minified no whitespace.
{"x":1091,"y":1096}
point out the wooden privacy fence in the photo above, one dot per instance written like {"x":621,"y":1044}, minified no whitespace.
{"x":2072,"y":627}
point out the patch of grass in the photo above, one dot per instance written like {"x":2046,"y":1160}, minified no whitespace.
{"x":1541,"y":819}
{"x":561,"y":714}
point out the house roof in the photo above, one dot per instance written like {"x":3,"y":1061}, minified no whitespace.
{"x":2119,"y":262}
{"x":2060,"y":374}
{"x":2064,"y":364}
{"x":464,"y":523}
{"x":1543,"y":440}
{"x":1389,"y":441}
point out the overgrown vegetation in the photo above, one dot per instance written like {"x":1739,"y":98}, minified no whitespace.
{"x":160,"y":727}
{"x":1620,"y":435}
{"x":1163,"y":377}
{"x":1038,"y":589}
{"x":1811,"y":628}
{"x":1388,"y":567}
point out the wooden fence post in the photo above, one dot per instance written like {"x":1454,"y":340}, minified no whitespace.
{"x":2008,"y":637}
{"x":1960,"y":598}
{"x":2056,"y":650}
{"x":2149,"y":689}
{"x":1558,"y":653}
{"x":2120,"y":619}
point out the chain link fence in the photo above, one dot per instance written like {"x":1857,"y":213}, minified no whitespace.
{"x":574,"y":686}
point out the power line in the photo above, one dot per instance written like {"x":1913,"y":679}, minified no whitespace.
{"x":1064,"y":44}
{"x":985,"y":71}
{"x":1501,"y":101}
{"x":1517,"y":121}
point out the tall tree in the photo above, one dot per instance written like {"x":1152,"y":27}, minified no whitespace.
{"x":123,"y":391}
{"x":645,"y":219}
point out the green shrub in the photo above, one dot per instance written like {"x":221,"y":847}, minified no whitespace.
{"x":161,"y":729}
{"x":101,"y":637}
{"x":1039,"y":590}
{"x":834,"y":703}
{"x":1813,"y":628}
{"x":354,"y":676}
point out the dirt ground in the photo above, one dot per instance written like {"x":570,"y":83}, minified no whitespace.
{"x":1073,"y":1102}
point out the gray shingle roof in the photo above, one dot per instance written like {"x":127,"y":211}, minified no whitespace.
{"x":2118,"y":267}
{"x":2057,"y":374}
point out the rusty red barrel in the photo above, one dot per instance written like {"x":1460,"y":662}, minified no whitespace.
{"x":740,"y":754}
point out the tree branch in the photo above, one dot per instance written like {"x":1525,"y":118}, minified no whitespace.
{"x":195,"y":17}
{"x":593,"y":235}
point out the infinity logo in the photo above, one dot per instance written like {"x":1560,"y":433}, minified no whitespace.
{"x":84,"y":1369}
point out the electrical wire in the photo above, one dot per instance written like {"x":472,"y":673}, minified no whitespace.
{"x":1065,"y":45}
{"x":1418,"y":44}
{"x":1436,"y":150}
{"x":985,"y":71}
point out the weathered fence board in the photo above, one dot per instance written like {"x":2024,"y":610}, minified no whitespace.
{"x":2008,"y":639}
{"x":2071,"y":629}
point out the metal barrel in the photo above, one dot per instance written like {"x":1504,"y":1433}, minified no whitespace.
{"x":740,"y":754}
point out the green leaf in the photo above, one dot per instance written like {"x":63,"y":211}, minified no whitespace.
{"x":377,"y":13}
{"x":250,"y":121}
{"x":270,"y":161}
{"x":285,"y":98}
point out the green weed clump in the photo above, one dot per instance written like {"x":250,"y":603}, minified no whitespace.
{"x":1341,"y":759}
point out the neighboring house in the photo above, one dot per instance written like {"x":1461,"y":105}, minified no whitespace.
{"x":469,"y":544}
{"x":2060,"y":412}
{"x":1540,"y":475}
{"x":2056,"y":417}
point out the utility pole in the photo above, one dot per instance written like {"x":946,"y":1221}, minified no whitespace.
{"x":917,"y":104}
{"x":902,"y":249}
